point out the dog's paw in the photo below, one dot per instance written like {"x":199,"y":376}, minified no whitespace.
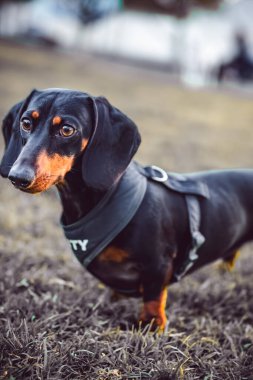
{"x":228,"y":264}
{"x":155,"y":321}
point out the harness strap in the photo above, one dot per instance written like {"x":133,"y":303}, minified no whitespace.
{"x":197,"y":238}
{"x":180,"y":183}
{"x":191,"y":192}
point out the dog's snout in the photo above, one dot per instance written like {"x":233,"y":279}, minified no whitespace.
{"x":22,"y":179}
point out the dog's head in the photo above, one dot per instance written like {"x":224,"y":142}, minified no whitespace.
{"x":50,"y":129}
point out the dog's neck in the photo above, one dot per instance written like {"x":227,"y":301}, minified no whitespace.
{"x":77,"y":199}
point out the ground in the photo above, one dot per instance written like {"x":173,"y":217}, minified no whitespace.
{"x":56,"y":321}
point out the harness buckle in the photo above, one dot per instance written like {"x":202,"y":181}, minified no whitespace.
{"x":198,"y":239}
{"x":164,"y":176}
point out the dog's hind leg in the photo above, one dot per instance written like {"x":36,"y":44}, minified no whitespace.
{"x":228,"y":263}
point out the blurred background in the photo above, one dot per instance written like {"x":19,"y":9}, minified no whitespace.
{"x":189,"y":39}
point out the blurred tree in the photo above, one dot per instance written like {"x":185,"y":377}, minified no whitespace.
{"x":91,"y":10}
{"x":179,"y":8}
{"x":86,"y":11}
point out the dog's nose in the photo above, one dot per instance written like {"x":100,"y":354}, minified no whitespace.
{"x":22,"y":179}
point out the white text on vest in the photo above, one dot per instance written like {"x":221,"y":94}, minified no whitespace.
{"x":81,"y":243}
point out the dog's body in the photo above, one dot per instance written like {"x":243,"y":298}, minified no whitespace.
{"x":83,"y":145}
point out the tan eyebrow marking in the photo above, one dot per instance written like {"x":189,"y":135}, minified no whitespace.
{"x":57,"y":120}
{"x":35,"y":114}
{"x":84,"y":143}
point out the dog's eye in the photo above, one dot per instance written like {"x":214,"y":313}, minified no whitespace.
{"x":67,"y":131}
{"x":26,"y":125}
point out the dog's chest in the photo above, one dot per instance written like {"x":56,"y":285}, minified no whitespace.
{"x":117,"y":270}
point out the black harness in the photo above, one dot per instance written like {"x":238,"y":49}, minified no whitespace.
{"x":90,"y":235}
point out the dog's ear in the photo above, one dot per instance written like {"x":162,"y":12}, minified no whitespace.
{"x":12,"y":136}
{"x":114,"y":141}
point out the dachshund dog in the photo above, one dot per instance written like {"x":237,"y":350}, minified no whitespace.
{"x":139,"y":230}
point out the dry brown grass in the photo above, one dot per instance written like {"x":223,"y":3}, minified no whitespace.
{"x":56,"y":321}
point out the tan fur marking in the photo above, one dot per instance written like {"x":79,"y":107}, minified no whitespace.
{"x":228,"y":265}
{"x":155,"y":311}
{"x":84,"y":143}
{"x":57,"y":120}
{"x":50,"y":170}
{"x":35,"y":114}
{"x":113,"y":254}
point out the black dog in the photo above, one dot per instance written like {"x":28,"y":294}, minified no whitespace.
{"x":136,"y":229}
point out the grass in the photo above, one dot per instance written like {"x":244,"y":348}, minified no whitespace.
{"x":56,"y":321}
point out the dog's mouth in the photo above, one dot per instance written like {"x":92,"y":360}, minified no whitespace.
{"x":39,"y":185}
{"x":20,"y":186}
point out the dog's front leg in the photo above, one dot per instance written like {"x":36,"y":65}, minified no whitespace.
{"x":153,"y":311}
{"x":154,"y":291}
